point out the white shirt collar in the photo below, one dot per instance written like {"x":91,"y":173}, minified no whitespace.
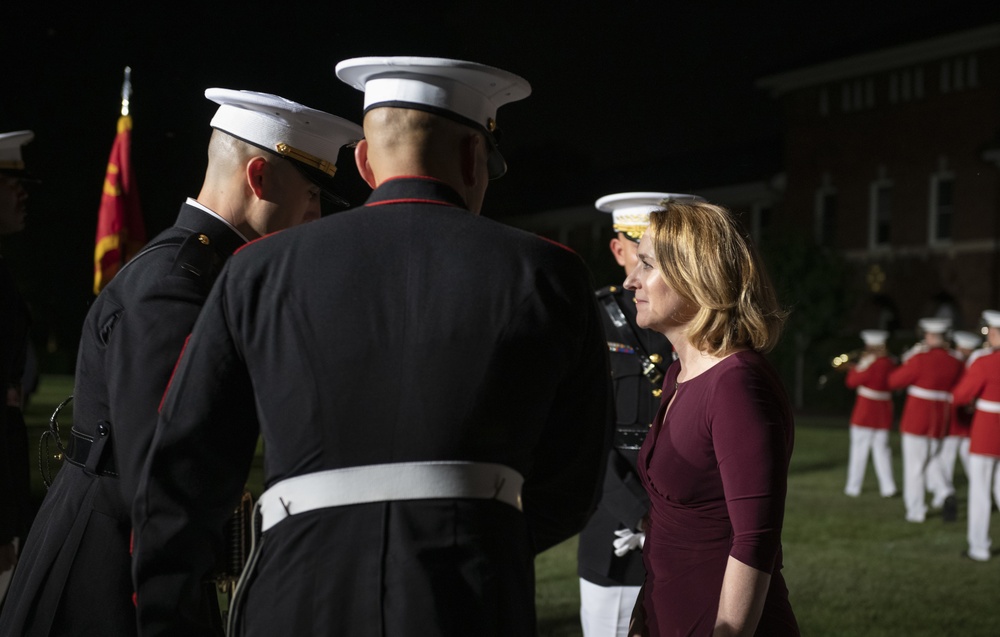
{"x":194,"y":202}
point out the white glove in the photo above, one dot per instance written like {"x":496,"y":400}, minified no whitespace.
{"x":865,"y":361}
{"x":628,"y":540}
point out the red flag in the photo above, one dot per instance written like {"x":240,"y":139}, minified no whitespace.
{"x":121,"y":232}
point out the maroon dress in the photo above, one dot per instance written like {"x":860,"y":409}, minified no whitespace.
{"x":716,"y":470}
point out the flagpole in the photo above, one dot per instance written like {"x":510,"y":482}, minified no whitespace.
{"x":121,"y":232}
{"x":126,"y":90}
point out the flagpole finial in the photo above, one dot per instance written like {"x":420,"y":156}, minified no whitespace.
{"x":126,"y":90}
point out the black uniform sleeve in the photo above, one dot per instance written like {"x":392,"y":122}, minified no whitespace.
{"x":564,"y":484}
{"x":193,"y":477}
{"x":143,"y":343}
{"x":624,"y":496}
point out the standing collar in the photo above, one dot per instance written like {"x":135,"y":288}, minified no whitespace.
{"x":426,"y":190}
{"x":197,"y":204}
{"x":223,"y":235}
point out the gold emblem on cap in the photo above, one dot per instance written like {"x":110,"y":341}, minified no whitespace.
{"x":630,"y":231}
{"x":656,"y":358}
{"x":309,"y":160}
{"x":656,"y":392}
{"x":204,"y":239}
{"x":491,"y":124}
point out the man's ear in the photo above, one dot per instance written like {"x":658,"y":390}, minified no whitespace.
{"x":257,"y":175}
{"x":471,"y":158}
{"x":618,"y":250}
{"x":361,"y":161}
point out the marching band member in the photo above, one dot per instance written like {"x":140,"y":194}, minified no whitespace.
{"x":928,"y":373}
{"x":956,"y":443}
{"x":872,"y":415}
{"x":980,"y":385}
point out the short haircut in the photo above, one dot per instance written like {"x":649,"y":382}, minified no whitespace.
{"x":704,"y":256}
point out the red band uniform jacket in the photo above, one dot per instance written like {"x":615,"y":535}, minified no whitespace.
{"x":874,"y":414}
{"x":982,"y":381}
{"x":936,"y":370}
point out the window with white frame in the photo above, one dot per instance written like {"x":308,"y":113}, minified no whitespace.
{"x":880,"y":214}
{"x":942,"y":207}
{"x":957,"y":74}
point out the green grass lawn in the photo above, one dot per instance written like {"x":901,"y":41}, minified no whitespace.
{"x":853,"y":566}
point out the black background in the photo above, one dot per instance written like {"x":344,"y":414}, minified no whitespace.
{"x":626,"y":95}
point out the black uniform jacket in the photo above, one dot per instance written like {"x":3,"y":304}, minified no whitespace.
{"x":405,"y":330}
{"x":624,"y":500}
{"x":15,"y":487}
{"x":74,"y":577}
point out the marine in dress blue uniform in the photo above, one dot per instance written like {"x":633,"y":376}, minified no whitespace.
{"x":269,"y":161}
{"x":609,"y":559}
{"x":15,"y":482}
{"x":431,"y":388}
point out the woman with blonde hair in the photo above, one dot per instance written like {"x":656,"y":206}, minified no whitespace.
{"x":715,"y":463}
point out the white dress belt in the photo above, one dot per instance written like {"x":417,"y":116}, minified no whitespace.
{"x":873,"y":394}
{"x":928,"y":394}
{"x":389,"y":482}
{"x":989,"y":406}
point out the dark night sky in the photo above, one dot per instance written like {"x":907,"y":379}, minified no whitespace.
{"x":616,"y":86}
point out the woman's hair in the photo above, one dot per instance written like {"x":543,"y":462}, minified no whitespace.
{"x":704,"y":257}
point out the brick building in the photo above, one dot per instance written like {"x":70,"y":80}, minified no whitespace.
{"x":892,"y":159}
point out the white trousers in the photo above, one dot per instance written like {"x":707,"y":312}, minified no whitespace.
{"x":922,"y":472}
{"x":606,"y":610}
{"x":984,"y":476}
{"x":865,"y":441}
{"x":952,"y":448}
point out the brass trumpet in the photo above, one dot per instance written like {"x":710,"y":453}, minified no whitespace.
{"x":840,"y":363}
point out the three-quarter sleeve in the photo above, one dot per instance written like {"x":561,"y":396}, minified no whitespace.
{"x":752,"y":435}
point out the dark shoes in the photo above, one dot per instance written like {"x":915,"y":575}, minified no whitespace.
{"x":949,"y":512}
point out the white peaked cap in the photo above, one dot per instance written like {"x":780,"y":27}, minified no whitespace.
{"x":967,"y":340}
{"x":992,"y":318}
{"x":309,"y":137}
{"x":467,"y":92}
{"x":630,"y":210}
{"x":10,"y":149}
{"x":935,"y":325}
{"x":874,"y":337}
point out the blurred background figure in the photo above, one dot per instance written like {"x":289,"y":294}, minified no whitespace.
{"x":15,"y":479}
{"x":928,"y":372}
{"x":956,"y":443}
{"x":871,"y":419}
{"x":609,"y":558}
{"x":980,"y":386}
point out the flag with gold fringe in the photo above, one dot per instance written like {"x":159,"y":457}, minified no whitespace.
{"x":121,"y":232}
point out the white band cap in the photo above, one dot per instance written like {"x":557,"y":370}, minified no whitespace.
{"x":874,"y":337}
